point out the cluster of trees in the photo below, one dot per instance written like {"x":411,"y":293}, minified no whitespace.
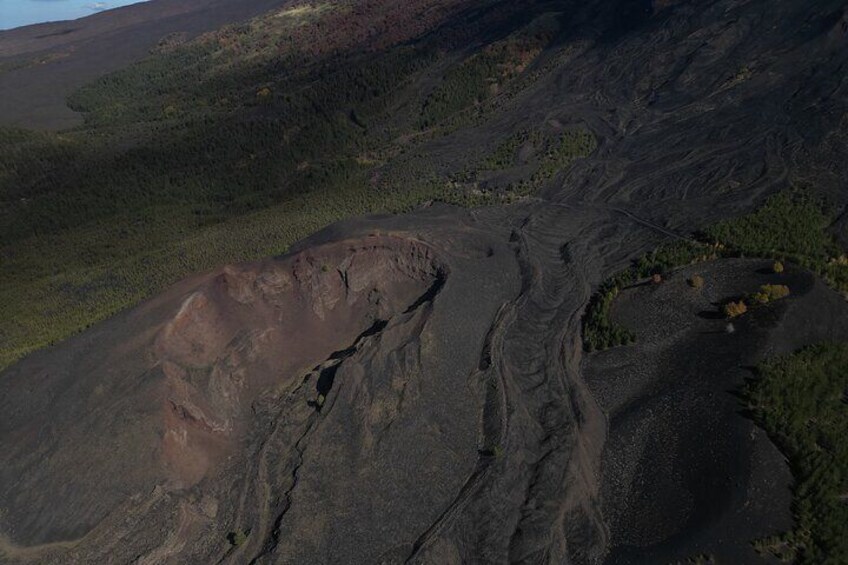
{"x":550,"y":152}
{"x":767,"y":293}
{"x":800,"y":400}
{"x":505,"y":154}
{"x":791,"y":226}
{"x":461,"y":88}
{"x":217,"y":163}
{"x":668,"y":257}
{"x":787,"y":224}
{"x":479,"y":77}
{"x":770,"y":293}
{"x":560,"y":151}
{"x":599,"y":331}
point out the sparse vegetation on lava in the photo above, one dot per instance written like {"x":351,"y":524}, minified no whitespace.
{"x":790,"y":226}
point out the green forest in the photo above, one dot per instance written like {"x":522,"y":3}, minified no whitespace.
{"x":234,"y":145}
{"x":801,"y":400}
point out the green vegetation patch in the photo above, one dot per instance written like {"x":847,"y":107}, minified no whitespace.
{"x":505,"y":154}
{"x":599,"y":331}
{"x":801,"y":400}
{"x":479,"y":77}
{"x":551,"y":152}
{"x":791,"y":226}
{"x":770,"y":293}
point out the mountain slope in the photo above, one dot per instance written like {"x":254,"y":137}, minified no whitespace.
{"x":411,"y":387}
{"x":40,"y":65}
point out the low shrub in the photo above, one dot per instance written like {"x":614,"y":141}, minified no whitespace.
{"x":238,"y":537}
{"x":770,"y":293}
{"x":735,"y":309}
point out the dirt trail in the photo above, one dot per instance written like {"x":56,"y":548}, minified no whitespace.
{"x":12,"y":551}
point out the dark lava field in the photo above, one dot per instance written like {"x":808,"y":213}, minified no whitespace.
{"x":415,"y":387}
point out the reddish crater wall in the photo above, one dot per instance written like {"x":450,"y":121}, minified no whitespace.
{"x":249,"y":329}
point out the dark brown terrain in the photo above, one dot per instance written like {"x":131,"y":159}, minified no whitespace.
{"x":413,"y":388}
{"x":47,"y":62}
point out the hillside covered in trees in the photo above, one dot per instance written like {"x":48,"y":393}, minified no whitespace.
{"x":237,"y":143}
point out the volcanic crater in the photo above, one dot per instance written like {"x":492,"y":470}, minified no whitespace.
{"x":235,"y":338}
